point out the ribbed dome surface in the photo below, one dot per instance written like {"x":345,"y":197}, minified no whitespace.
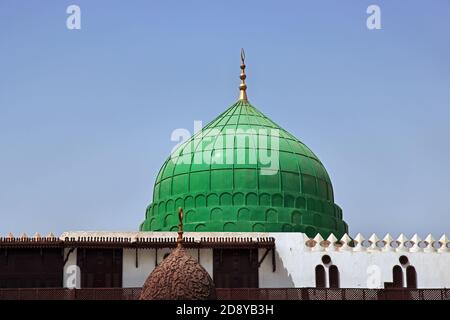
{"x":179,"y":277}
{"x":221,"y":196}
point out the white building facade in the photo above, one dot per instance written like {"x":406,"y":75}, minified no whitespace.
{"x":294,"y":261}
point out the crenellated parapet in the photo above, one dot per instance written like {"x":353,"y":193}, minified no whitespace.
{"x":281,"y":259}
{"x":374,"y":244}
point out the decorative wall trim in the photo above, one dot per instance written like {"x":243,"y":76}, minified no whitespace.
{"x":138,"y":242}
{"x":375,"y":244}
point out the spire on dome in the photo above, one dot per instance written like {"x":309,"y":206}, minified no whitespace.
{"x":179,"y":276}
{"x":243,"y":86}
{"x":180,"y":227}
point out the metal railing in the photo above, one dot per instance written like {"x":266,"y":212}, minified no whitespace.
{"x":231,"y":294}
{"x":70,"y":294}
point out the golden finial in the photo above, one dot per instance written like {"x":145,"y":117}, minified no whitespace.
{"x":180,"y":227}
{"x":243,"y":86}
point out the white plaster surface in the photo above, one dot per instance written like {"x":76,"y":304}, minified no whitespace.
{"x":295,"y":262}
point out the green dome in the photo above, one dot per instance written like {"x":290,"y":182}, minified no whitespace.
{"x":237,"y":196}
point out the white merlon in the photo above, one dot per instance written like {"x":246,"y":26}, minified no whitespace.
{"x":387,"y":240}
{"x":345,"y":243}
{"x":374,"y":244}
{"x":318,"y":240}
{"x":359,"y":239}
{"x":401,"y":241}
{"x":331,"y":243}
{"x":444,"y":244}
{"x":415,"y":240}
{"x":373,"y":240}
{"x":429,"y":240}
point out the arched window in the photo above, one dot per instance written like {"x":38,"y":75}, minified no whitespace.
{"x":334,"y":276}
{"x":411,"y":277}
{"x":397,"y":275}
{"x":320,"y":276}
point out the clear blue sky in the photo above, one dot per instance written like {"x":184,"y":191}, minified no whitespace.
{"x":86,"y":115}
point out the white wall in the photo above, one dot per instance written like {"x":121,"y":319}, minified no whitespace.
{"x":296,"y":265}
{"x":133,"y":276}
{"x":68,"y":271}
{"x":295,"y":262}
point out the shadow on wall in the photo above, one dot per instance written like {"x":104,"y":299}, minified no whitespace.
{"x":278,"y":279}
